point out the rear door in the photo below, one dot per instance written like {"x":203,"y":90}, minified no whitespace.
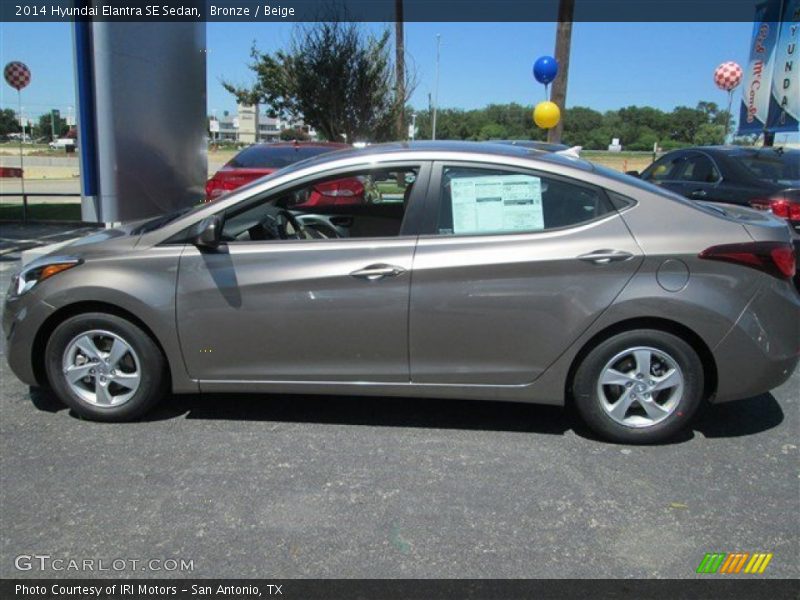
{"x":516,"y":265}
{"x":697,"y":177}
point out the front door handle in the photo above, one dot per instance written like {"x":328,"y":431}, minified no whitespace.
{"x":603,"y":257}
{"x":376,"y":272}
{"x":699,"y":193}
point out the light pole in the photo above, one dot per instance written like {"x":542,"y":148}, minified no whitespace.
{"x":436,"y":87}
{"x":413,"y":126}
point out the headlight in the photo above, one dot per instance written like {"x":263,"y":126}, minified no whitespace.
{"x":39,"y":271}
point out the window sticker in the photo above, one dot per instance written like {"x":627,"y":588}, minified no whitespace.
{"x":500,"y":203}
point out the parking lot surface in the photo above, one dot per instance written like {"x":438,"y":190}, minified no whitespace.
{"x":340,"y":487}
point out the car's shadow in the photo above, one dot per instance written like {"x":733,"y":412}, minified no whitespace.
{"x":731,"y":419}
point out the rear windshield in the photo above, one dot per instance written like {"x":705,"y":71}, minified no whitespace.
{"x":275,"y":157}
{"x":772,"y":166}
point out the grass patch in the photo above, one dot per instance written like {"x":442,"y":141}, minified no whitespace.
{"x":41,"y":212}
{"x":389,"y":187}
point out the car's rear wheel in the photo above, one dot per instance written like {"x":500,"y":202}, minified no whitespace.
{"x":104,"y":367}
{"x":639,"y":386}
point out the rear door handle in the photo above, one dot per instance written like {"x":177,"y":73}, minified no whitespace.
{"x":376,"y":272}
{"x":603,"y":257}
{"x":699,"y":193}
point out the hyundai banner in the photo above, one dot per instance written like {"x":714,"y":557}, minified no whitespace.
{"x":784,"y":104}
{"x":758,"y":74}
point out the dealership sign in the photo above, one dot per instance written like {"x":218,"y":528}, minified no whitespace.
{"x":771,"y":90}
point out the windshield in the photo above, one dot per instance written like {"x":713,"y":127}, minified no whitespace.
{"x":773,"y":166}
{"x":162,"y":220}
{"x":276,"y":157}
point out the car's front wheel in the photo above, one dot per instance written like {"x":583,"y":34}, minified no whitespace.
{"x":639,"y":386}
{"x":104,"y":367}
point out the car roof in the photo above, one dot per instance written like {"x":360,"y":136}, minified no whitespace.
{"x":535,"y":144}
{"x":297,"y":143}
{"x":428,"y":149}
{"x":745,"y":150}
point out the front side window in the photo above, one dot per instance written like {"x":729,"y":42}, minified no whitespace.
{"x":361,"y":204}
{"x":697,"y":169}
{"x":496,"y":201}
{"x":662,"y":169}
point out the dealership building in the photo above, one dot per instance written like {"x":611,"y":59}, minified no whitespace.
{"x":251,"y":125}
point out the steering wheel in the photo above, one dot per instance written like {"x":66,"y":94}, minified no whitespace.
{"x":275,"y":224}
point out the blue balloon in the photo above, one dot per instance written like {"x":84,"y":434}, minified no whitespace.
{"x":545,"y":69}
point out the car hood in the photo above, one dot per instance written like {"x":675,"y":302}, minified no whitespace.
{"x":98,"y":243}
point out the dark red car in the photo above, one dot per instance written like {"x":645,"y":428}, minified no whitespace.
{"x":262,"y":159}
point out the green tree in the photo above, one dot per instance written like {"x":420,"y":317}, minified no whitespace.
{"x":44,"y":127}
{"x":294,"y":133}
{"x":493,"y":131}
{"x":336,"y":76}
{"x":684,"y":123}
{"x":709,"y":134}
{"x":9,"y":122}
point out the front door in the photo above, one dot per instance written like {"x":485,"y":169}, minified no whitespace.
{"x":328,"y":303}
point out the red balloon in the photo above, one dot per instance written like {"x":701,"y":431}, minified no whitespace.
{"x":17,"y":75}
{"x":727,"y":76}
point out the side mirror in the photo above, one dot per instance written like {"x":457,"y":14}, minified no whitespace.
{"x":208,"y":232}
{"x":634,"y":174}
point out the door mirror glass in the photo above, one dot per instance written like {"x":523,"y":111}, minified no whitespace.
{"x":208,"y":232}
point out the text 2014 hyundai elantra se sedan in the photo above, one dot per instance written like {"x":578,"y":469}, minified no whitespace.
{"x":474,"y":271}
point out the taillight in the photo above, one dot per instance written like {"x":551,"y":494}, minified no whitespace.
{"x":340,"y":188}
{"x":224,"y":181}
{"x":775,"y":258}
{"x":213,"y":189}
{"x":780,"y":207}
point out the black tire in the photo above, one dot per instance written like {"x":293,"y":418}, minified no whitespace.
{"x":589,"y":404}
{"x":152,"y":369}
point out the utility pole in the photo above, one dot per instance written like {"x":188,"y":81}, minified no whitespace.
{"x":400,"y":66}
{"x":566,"y":9}
{"x":436,"y":87}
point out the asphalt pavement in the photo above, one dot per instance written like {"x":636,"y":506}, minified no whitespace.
{"x":310,"y":486}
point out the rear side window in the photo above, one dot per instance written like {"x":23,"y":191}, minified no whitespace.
{"x":275,"y":157}
{"x":495,"y":201}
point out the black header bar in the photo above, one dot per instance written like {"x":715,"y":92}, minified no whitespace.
{"x":730,"y":588}
{"x":267,"y":11}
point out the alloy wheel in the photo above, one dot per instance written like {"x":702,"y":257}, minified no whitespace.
{"x":640,"y":387}
{"x":101,"y":368}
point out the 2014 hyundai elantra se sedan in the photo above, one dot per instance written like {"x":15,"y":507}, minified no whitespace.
{"x":475,"y":271}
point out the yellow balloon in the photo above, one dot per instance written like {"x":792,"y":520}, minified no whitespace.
{"x":546,"y":114}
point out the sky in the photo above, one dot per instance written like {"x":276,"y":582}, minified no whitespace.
{"x":612,"y":65}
